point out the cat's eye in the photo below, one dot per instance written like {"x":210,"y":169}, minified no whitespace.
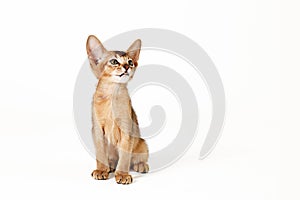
{"x":114,"y":62}
{"x":130,"y":62}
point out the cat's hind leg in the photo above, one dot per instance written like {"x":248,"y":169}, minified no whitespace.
{"x":139,"y":157}
{"x":113,"y":157}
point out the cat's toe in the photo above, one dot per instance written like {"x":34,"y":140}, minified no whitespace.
{"x":123,"y":178}
{"x":141,"y":167}
{"x":100,"y":174}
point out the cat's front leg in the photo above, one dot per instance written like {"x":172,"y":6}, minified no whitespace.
{"x":100,"y":173}
{"x":125,"y":148}
{"x":100,"y":142}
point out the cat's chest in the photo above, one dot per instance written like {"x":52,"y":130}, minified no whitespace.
{"x":114,"y":116}
{"x":112,"y":111}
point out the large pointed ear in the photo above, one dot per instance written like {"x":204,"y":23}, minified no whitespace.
{"x":96,"y":52}
{"x":134,"y":50}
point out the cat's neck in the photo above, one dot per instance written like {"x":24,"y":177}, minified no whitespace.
{"x":107,"y":89}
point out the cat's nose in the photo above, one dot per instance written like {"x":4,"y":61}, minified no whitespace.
{"x":126,"y":67}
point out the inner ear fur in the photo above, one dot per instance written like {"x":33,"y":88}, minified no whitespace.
{"x":134,"y":50}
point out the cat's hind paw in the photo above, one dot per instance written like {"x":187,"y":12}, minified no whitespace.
{"x":141,"y":167}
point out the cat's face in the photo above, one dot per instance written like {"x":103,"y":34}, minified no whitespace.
{"x":113,"y":66}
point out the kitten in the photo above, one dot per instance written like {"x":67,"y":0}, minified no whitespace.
{"x":115,"y":129}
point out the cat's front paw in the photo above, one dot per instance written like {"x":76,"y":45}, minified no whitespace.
{"x":123,"y":178}
{"x":100,"y":174}
{"x":141,"y":167}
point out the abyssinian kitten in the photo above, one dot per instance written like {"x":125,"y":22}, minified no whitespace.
{"x":115,"y":129}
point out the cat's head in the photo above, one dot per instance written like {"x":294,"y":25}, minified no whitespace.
{"x":113,"y":66}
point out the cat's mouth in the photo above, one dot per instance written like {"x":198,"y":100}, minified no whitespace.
{"x":123,"y":74}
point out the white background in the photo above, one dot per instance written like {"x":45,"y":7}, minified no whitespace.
{"x":255,"y":46}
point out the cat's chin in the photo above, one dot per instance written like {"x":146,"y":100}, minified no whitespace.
{"x":121,"y":79}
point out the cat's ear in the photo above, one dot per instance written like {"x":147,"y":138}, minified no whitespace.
{"x":96,"y":52}
{"x":134,"y":50}
{"x":95,"y":49}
